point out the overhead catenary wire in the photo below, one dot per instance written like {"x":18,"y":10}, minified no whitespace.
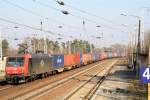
{"x":87,"y":13}
{"x":45,"y":5}
{"x":76,"y":16}
{"x":37,"y":14}
{"x":24,"y":9}
{"x":49,"y":6}
{"x":27,"y":26}
{"x":33,"y":28}
{"x":92,"y":21}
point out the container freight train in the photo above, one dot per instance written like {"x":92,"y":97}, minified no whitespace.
{"x":26,"y":67}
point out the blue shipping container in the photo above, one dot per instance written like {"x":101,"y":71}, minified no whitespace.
{"x":58,"y":61}
{"x":95,"y":56}
{"x":81,"y":58}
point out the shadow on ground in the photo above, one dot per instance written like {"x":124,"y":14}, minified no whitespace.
{"x":128,"y":76}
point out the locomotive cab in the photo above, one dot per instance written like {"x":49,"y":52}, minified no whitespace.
{"x":15,"y":69}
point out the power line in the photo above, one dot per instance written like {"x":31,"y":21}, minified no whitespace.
{"x":37,"y":14}
{"x":85,"y":12}
{"x":27,"y":26}
{"x":48,"y":6}
{"x":88,"y":13}
{"x":92,"y":21}
{"x":26,"y":10}
{"x":79,"y":17}
{"x":45,"y":5}
{"x":34,"y":28}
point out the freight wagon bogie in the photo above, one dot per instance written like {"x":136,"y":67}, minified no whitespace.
{"x":37,"y":76}
{"x":60,"y":70}
{"x":68,"y":68}
{"x":15,"y":79}
{"x":77,"y":65}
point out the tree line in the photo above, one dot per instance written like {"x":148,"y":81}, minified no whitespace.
{"x":33,"y":45}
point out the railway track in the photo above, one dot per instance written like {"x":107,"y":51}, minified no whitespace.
{"x":80,"y":87}
{"x":22,"y":89}
{"x":77,"y":93}
{"x":5,"y":87}
{"x":54,"y":87}
{"x":44,"y":89}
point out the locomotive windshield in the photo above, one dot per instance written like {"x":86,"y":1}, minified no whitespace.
{"x":15,"y":61}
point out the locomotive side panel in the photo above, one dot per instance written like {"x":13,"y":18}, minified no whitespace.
{"x":39,"y":64}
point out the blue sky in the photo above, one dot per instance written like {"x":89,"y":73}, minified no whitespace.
{"x":105,"y":13}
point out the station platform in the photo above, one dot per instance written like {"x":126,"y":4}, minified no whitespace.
{"x":120,"y":84}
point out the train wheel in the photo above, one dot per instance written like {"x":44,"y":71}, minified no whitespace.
{"x":54,"y":72}
{"x":15,"y":80}
{"x":31,"y":78}
{"x":57,"y":72}
{"x":45,"y":75}
{"x":26,"y":80}
{"x":42,"y":76}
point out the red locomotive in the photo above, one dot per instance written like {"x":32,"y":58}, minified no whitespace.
{"x":24,"y":67}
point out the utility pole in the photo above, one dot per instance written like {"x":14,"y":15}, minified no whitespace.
{"x":148,"y":66}
{"x":1,"y":55}
{"x":139,"y":39}
{"x":138,"y":50}
{"x":137,"y":62}
{"x":45,"y":44}
{"x":149,"y":56}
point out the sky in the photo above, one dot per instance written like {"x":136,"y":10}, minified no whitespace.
{"x":114,"y":28}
